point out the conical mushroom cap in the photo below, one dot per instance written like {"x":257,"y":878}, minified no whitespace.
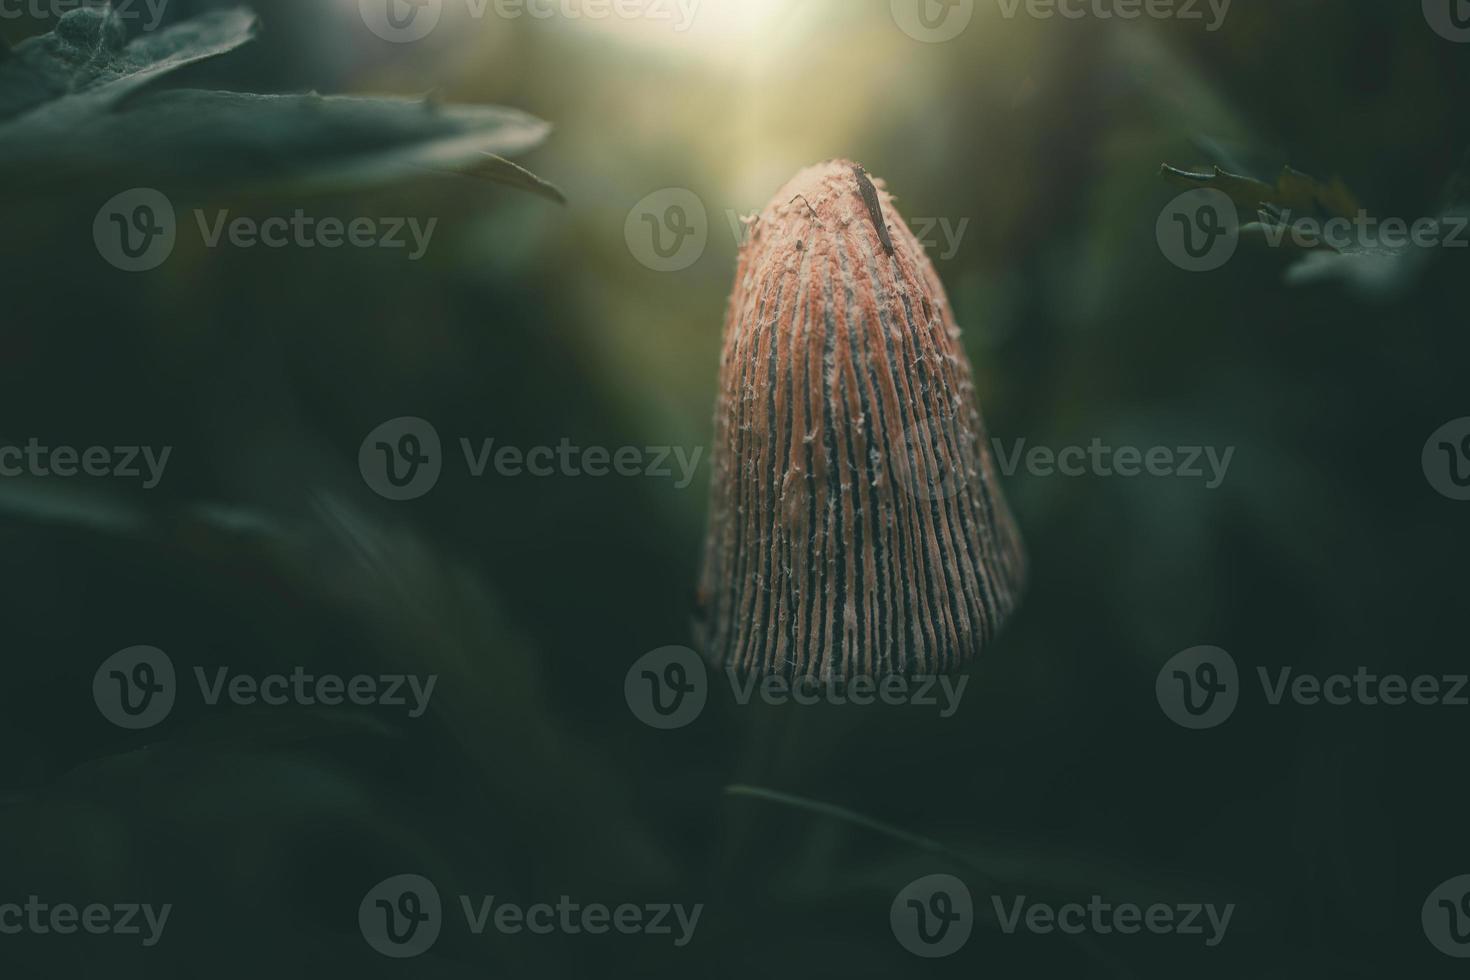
{"x":856,"y":520}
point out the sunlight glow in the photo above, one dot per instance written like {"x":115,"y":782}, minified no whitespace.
{"x":718,"y":28}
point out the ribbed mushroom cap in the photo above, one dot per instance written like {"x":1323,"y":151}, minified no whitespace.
{"x":856,"y":522}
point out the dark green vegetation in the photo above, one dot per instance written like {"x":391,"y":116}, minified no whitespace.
{"x":1325,"y":549}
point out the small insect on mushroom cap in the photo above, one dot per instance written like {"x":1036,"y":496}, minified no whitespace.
{"x":856,"y":520}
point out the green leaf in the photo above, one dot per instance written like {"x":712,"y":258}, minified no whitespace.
{"x":297,"y":143}
{"x":1293,"y":191}
{"x":71,"y":112}
{"x":502,"y":171}
{"x":1290,"y":218}
{"x":86,"y":65}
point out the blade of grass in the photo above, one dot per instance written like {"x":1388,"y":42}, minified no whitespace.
{"x":859,"y":820}
{"x":1090,"y":948}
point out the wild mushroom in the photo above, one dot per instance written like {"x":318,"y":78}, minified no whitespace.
{"x":856,"y":522}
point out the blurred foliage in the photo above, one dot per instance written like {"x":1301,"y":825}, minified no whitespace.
{"x":1325,"y":549}
{"x":71,"y":114}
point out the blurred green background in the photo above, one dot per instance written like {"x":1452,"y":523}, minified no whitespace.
{"x":530,"y":322}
